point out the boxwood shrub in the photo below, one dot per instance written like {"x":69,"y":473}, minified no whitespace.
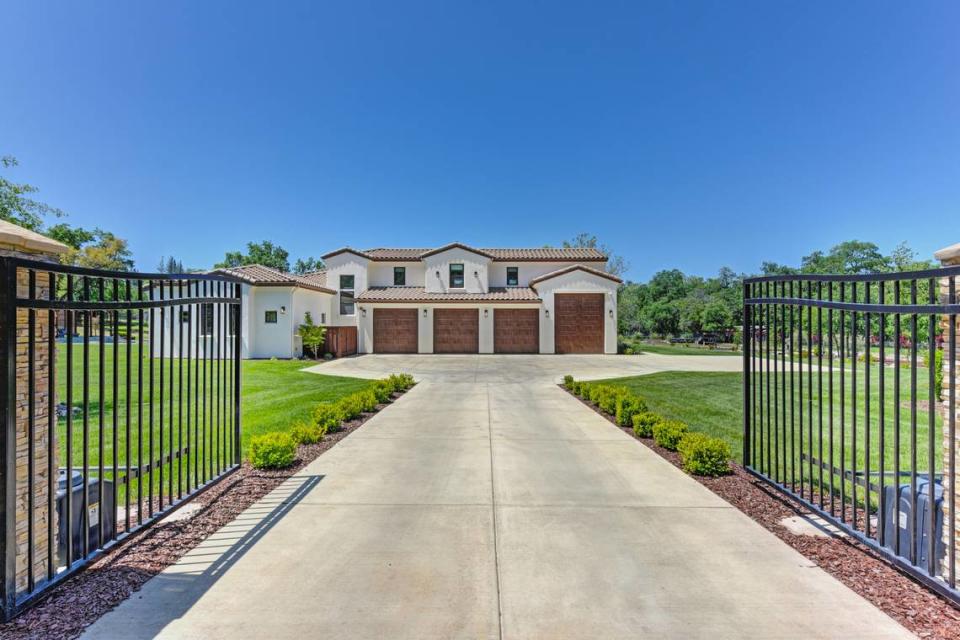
{"x":303,"y":433}
{"x":328,"y":416}
{"x":704,"y":456}
{"x":568,"y":381}
{"x":628,"y":405}
{"x":383,"y":391}
{"x":272,"y":451}
{"x":643,"y":423}
{"x":668,"y":433}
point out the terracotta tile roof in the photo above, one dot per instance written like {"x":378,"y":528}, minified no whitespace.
{"x":419,"y":294}
{"x":544,"y":254}
{"x":261,"y":276}
{"x":316,"y":278}
{"x":575,"y":267}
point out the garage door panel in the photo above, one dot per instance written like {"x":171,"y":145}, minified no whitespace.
{"x":516,"y":330}
{"x":394,"y":330}
{"x":456,"y":330}
{"x":578,"y":322}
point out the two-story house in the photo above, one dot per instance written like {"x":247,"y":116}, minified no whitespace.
{"x":451,"y":299}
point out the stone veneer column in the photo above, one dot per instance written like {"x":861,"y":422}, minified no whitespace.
{"x":19,"y":242}
{"x":950,"y":256}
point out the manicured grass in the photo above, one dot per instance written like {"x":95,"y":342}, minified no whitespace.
{"x":275,"y":394}
{"x":711,"y":402}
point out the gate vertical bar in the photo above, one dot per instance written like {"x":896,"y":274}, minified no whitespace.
{"x":745,"y":340}
{"x":8,"y":442}
{"x":238,"y":363}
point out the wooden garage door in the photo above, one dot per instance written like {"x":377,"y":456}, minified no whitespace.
{"x":578,"y":322}
{"x":516,"y":331}
{"x":456,"y":330}
{"x":394,"y":330}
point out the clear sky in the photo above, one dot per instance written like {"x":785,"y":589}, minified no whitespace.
{"x":683,"y":134}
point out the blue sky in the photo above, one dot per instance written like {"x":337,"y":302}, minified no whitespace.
{"x":690,"y":135}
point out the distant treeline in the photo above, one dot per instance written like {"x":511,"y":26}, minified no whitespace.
{"x":676,"y":304}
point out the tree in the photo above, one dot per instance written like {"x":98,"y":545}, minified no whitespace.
{"x":850,"y":257}
{"x":170,"y":265}
{"x":716,"y":317}
{"x":105,"y":251}
{"x":15,"y":204}
{"x":616,"y":265}
{"x":307,"y":266}
{"x":312,"y":335}
{"x":662,"y":318}
{"x":74,"y":237}
{"x":265,"y":253}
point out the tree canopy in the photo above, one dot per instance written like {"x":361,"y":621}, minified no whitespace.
{"x":17,"y":206}
{"x":265,"y":253}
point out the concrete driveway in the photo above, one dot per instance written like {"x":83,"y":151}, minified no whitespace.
{"x":522,"y":368}
{"x":489,"y":509}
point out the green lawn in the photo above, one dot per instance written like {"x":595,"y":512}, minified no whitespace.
{"x":275,"y":394}
{"x":711,"y":402}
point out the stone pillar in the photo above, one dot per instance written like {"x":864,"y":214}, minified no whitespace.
{"x":19,"y":242}
{"x":949,"y":256}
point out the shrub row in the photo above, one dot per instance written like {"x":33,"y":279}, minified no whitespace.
{"x":277,"y":450}
{"x":700,"y":454}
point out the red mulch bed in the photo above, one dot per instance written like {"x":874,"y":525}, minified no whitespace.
{"x":908,"y":602}
{"x":80,"y":601}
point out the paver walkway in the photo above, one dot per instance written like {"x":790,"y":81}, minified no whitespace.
{"x":489,"y":509}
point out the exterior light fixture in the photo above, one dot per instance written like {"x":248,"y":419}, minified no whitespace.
{"x":283,"y":310}
{"x":424,"y":313}
{"x":611,"y":313}
{"x":438,"y":273}
{"x":476,"y":274}
{"x":363,"y":311}
{"x":546,"y":312}
{"x":486,"y":312}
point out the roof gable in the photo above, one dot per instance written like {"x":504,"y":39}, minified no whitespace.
{"x":572,"y":268}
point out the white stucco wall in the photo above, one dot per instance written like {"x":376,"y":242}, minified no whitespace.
{"x":527,"y":271}
{"x":346,"y":264}
{"x":472,"y":264}
{"x":578,"y":282}
{"x":272,"y":340}
{"x":381,"y":273}
{"x":199,"y":345}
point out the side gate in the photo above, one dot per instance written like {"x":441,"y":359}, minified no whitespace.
{"x":850,"y":407}
{"x":120,"y":402}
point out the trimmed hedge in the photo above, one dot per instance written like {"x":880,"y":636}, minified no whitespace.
{"x":668,"y":433}
{"x":628,"y":405}
{"x":644,"y":422}
{"x":272,"y":451}
{"x":704,"y":456}
{"x":700,"y":454}
{"x":303,"y":433}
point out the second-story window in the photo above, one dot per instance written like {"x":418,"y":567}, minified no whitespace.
{"x":346,"y":296}
{"x":399,"y":276}
{"x":456,"y":276}
{"x":513,"y":276}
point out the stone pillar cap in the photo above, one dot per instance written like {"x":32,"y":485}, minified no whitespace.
{"x":16,"y":237}
{"x":950,"y":253}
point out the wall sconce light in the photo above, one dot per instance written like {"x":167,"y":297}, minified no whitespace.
{"x":363,"y":311}
{"x":438,"y":273}
{"x":424,"y":313}
{"x":283,"y":310}
{"x":476,"y":274}
{"x":611,"y":313}
{"x":546,"y":312}
{"x":486,"y":312}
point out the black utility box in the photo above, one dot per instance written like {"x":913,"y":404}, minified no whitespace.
{"x":896,"y":522}
{"x":76,"y":520}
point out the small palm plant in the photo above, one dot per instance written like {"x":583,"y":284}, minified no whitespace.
{"x":311,"y":334}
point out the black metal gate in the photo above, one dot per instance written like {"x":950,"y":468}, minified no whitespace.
{"x":850,"y":407}
{"x":121,"y":400}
